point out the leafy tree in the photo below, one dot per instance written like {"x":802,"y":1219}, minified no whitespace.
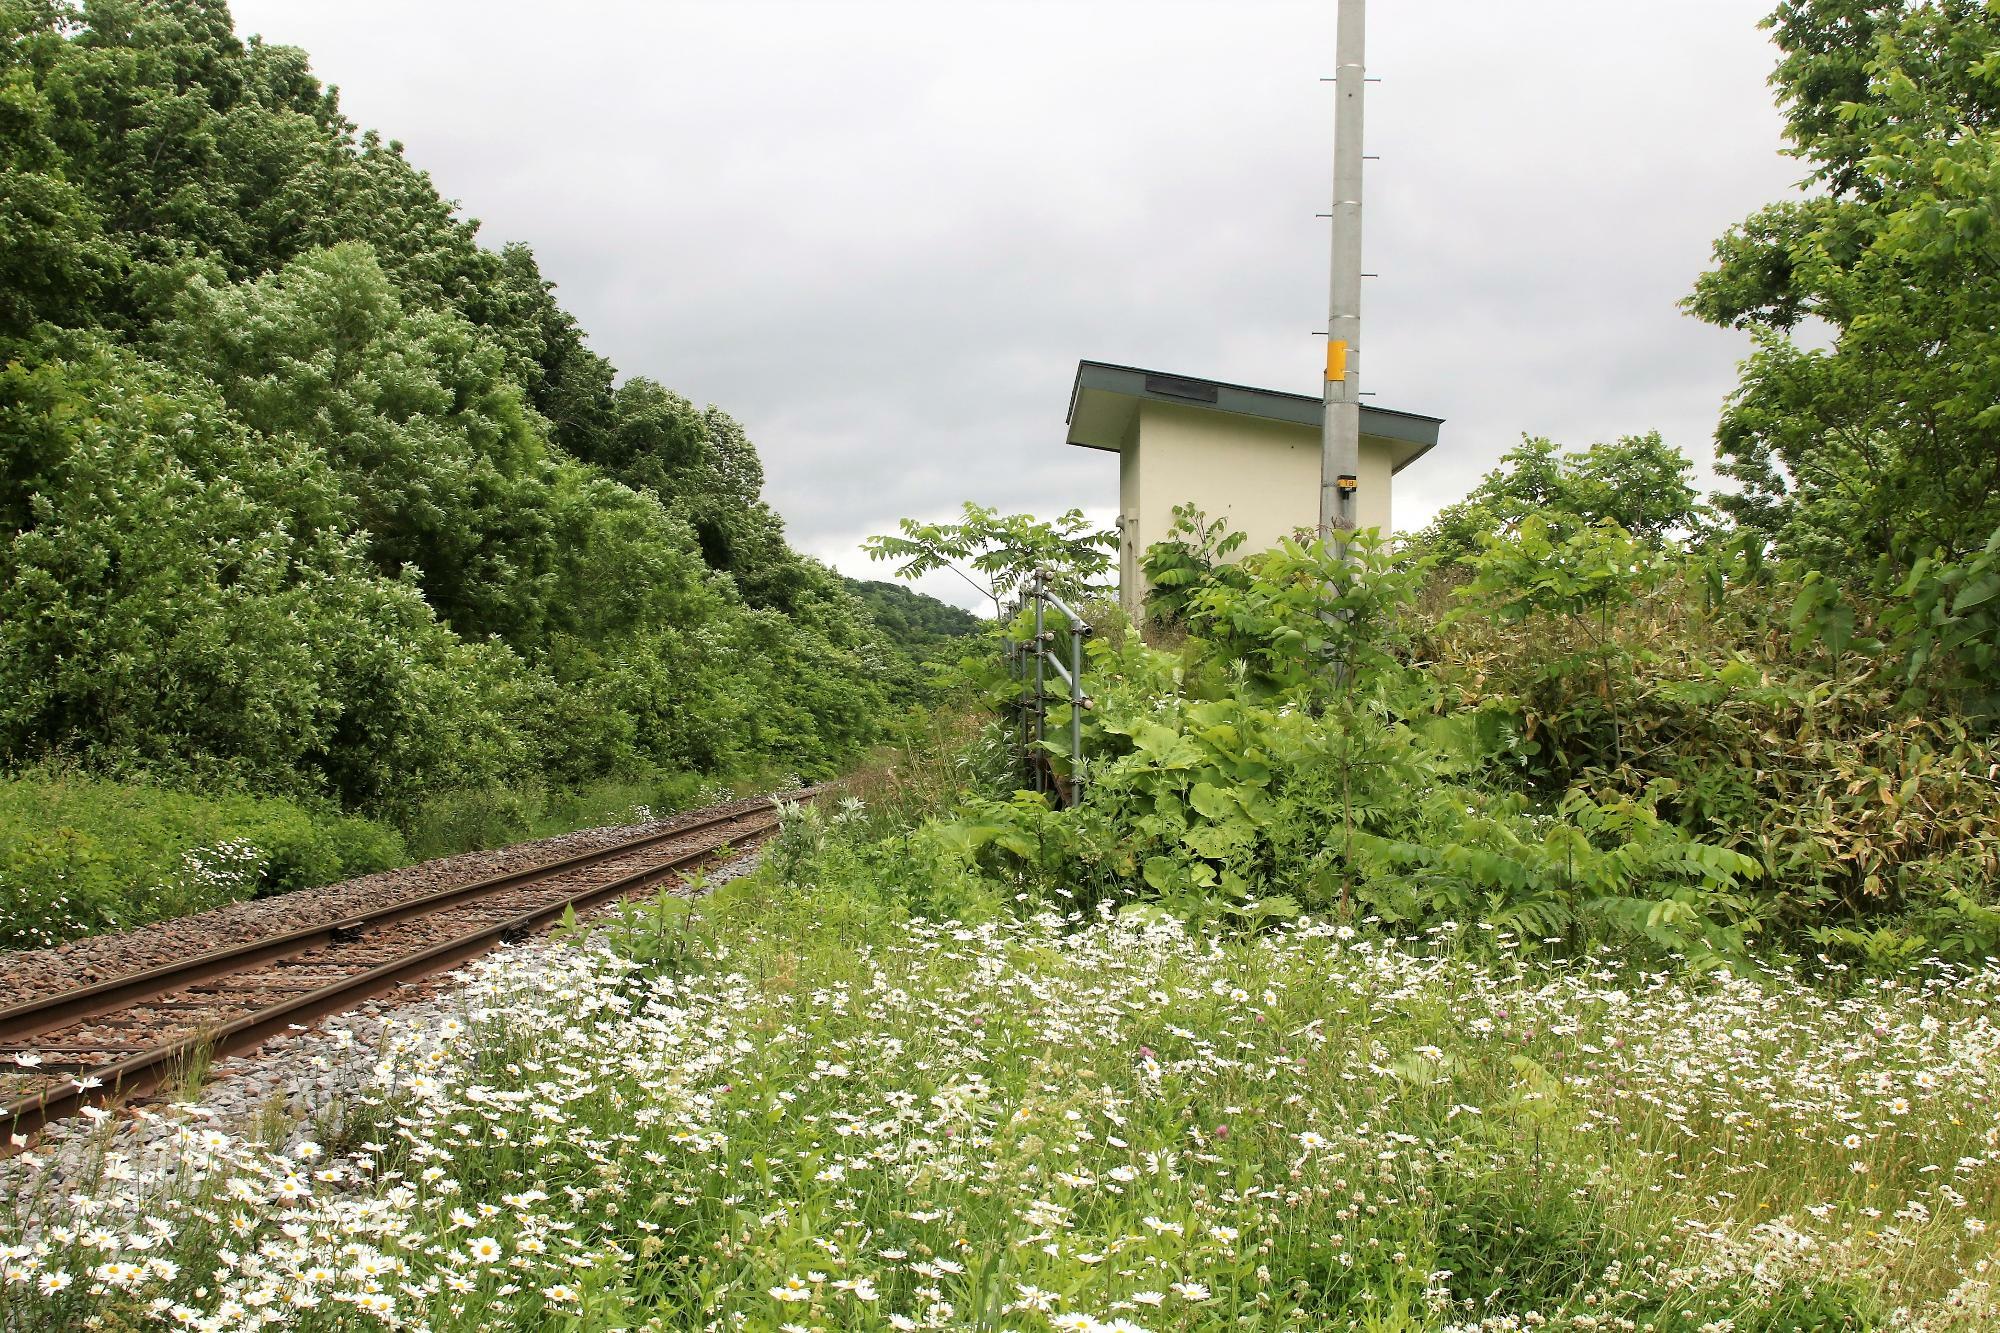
{"x":188,"y":596}
{"x":570,"y":385}
{"x":654,"y":441}
{"x":703,"y":467}
{"x":1944,"y":622}
{"x":1191,"y":555}
{"x":1303,"y":619}
{"x":53,"y":254}
{"x":996,"y":553}
{"x":302,"y":487}
{"x":1639,"y":482}
{"x":1585,"y":579}
{"x":151,"y":145}
{"x":1886,"y":440}
{"x":412,"y":409}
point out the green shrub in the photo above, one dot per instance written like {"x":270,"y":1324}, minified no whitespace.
{"x":1597,"y":738}
{"x":465,"y":819}
{"x":1287,"y":757}
{"x":362,"y":846}
{"x":1190,"y":557}
{"x":80,"y":854}
{"x":1833,"y":735}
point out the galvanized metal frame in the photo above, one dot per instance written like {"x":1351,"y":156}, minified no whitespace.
{"x":1032,"y":663}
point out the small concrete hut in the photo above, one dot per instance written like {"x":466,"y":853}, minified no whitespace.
{"x":1251,"y":456}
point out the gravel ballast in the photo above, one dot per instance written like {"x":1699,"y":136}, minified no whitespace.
{"x":292,"y":1082}
{"x":38,"y":973}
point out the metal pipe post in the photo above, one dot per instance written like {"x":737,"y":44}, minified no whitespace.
{"x":1017,"y":667}
{"x":1076,"y":633}
{"x":1041,"y":686}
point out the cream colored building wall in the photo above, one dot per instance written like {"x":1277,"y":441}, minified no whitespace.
{"x":1128,"y":511}
{"x":1262,"y":476}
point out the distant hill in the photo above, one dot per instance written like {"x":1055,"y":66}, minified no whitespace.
{"x":913,"y":621}
{"x":922,"y":637}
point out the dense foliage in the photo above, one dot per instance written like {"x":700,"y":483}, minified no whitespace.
{"x":1884,"y":441}
{"x":1291,"y":753}
{"x":1575,"y":733}
{"x":80,"y":854}
{"x":792,"y":1104}
{"x":1641,"y":483}
{"x":1194,"y":554}
{"x":303,"y":491}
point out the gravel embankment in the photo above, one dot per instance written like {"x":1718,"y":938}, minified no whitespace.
{"x":288,"y":1084}
{"x":33,"y":974}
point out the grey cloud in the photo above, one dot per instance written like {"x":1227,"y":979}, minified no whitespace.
{"x":881,"y":234}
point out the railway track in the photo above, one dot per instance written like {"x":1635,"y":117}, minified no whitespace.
{"x":124,"y":1037}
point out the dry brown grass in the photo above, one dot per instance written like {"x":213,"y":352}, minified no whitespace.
{"x":927,"y":767}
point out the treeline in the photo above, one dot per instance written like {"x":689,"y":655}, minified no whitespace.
{"x":303,"y":491}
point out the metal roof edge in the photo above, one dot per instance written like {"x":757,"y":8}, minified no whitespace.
{"x":1422,"y":449}
{"x":1409,"y":427}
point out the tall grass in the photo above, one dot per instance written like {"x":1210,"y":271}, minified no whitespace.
{"x":800,"y":1108}
{"x":82,"y":854}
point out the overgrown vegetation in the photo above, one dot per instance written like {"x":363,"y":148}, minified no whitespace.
{"x":795,"y":1103}
{"x":1583,"y":917}
{"x":1573,"y":735}
{"x":80,"y":854}
{"x":1641,"y":483}
{"x":305,"y":493}
{"x":1887,"y":442}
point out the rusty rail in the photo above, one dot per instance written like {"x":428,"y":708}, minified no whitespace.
{"x":146,"y":1069}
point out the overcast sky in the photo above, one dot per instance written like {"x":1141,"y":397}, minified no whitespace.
{"x":881,"y":235}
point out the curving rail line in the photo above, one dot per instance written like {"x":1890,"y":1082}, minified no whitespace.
{"x":124,"y":1037}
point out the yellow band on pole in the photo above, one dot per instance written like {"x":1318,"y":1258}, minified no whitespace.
{"x":1336,"y":359}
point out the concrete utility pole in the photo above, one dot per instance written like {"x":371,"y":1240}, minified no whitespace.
{"x":1340,"y":437}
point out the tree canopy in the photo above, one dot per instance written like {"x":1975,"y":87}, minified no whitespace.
{"x":302,"y":487}
{"x":1867,"y":420}
{"x":1640,"y":482}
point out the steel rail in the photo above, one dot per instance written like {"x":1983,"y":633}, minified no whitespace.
{"x":26,"y":1020}
{"x":143,"y":1071}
